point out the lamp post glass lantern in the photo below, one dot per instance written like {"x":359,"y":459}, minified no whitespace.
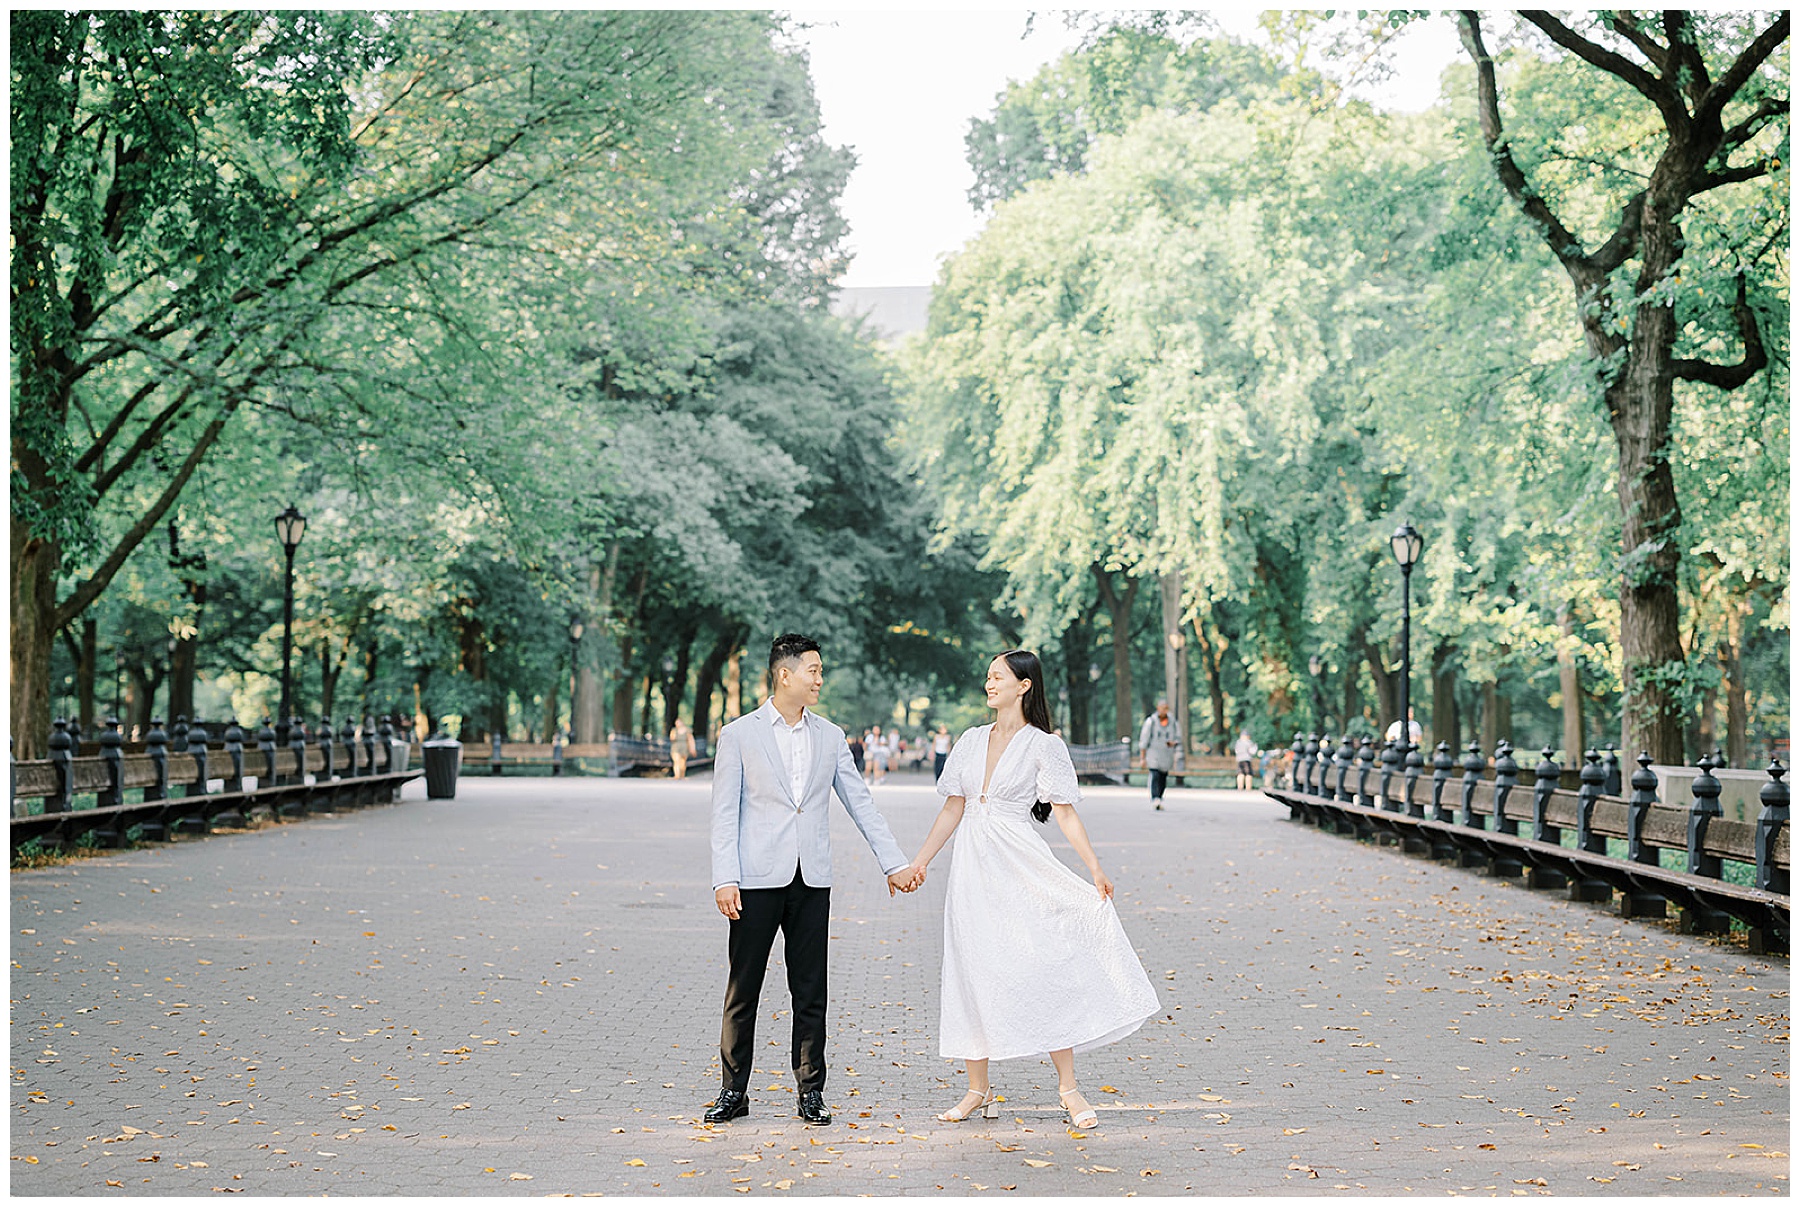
{"x":1407,"y":544}
{"x":290,"y":527}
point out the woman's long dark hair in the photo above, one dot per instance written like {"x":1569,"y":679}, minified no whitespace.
{"x":1025,"y":665}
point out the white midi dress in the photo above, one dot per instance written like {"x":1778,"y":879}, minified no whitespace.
{"x":1035,"y":959}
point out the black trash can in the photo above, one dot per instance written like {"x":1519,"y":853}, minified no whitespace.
{"x":443,"y":763}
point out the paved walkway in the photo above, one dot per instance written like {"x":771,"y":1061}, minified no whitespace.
{"x":518,"y":992}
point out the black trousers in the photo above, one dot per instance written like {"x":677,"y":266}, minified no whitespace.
{"x":1158,"y":781}
{"x":803,"y":916}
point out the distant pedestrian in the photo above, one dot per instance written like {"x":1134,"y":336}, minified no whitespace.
{"x":681,"y":745}
{"x":1160,"y":739}
{"x":1413,"y":729}
{"x":1245,"y":749}
{"x":878,"y":755}
{"x":940,"y":751}
{"x":856,"y":752}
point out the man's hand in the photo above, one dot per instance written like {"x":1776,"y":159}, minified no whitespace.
{"x":906,"y":879}
{"x":728,"y":900}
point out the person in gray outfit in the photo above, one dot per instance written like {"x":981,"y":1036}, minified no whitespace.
{"x":1159,"y":741}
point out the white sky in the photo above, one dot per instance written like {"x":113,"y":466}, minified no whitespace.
{"x":901,"y":86}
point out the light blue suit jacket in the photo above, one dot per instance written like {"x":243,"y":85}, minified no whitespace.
{"x":760,"y":833}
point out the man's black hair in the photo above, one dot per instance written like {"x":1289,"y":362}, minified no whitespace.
{"x":786,"y":646}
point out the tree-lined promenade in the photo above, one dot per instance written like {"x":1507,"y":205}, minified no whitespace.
{"x":528,"y":313}
{"x":517,"y":992}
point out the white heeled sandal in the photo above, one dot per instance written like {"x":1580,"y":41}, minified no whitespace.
{"x":988,"y":1106}
{"x":1085,"y":1115}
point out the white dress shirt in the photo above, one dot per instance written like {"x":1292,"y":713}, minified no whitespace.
{"x":795,"y":747}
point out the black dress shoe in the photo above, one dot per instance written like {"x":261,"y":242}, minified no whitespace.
{"x":731,"y":1104}
{"x":812,"y":1107}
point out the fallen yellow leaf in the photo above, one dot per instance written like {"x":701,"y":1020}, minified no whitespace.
{"x":634,"y":1161}
{"x":1038,"y":1164}
{"x":1107,"y":1089}
{"x":518,"y":1177}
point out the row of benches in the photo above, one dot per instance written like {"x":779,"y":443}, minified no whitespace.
{"x":1514,"y":831}
{"x":199,"y":788}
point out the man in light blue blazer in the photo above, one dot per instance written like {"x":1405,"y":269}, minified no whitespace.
{"x":774,"y":771}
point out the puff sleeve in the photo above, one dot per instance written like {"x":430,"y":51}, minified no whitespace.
{"x":1056,"y":780}
{"x":955,"y":767}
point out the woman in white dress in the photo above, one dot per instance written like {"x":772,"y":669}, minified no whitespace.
{"x":1035,"y":960}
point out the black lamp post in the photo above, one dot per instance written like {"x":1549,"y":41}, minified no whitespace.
{"x":1407,"y":544}
{"x":290,"y":526}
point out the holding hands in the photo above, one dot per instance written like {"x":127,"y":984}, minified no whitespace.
{"x":906,"y":880}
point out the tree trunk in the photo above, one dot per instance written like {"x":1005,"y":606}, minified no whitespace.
{"x":706,"y":680}
{"x":1642,"y":405}
{"x":1211,"y":654}
{"x":586,"y":709}
{"x":674,"y":689}
{"x":1118,"y":606}
{"x":1445,"y":724}
{"x":734,"y":685}
{"x":1737,"y":711}
{"x":1387,"y":685}
{"x":552,"y":714}
{"x":1078,"y":655}
{"x":1174,"y":651}
{"x":184,"y":662}
{"x":34,"y":566}
{"x":371,"y":661}
{"x":84,"y":673}
{"x":140,"y":694}
{"x":1706,"y":727}
{"x":644,"y":726}
{"x":1574,"y":735}
{"x":622,"y":691}
{"x":329,"y":671}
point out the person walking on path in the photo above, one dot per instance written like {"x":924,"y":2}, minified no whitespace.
{"x":940,"y":750}
{"x":1246,"y":752}
{"x":681,"y":746}
{"x":773,"y":775}
{"x":1160,"y":739}
{"x":877,"y":754}
{"x":1035,"y":959}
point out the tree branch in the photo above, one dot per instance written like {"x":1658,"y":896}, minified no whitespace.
{"x":1751,"y":126}
{"x":1563,"y":243}
{"x":1730,"y":377}
{"x":1712,"y":107}
{"x":1624,"y":240}
{"x":1684,"y":54}
{"x":1656,"y":89}
{"x":89,"y":590}
{"x":98,"y":447}
{"x":1625,"y":25}
{"x":1712,"y":180}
